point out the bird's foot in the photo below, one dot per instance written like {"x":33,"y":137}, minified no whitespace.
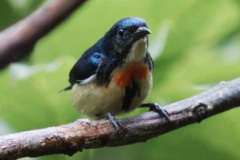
{"x":156,"y":108}
{"x":115,"y":123}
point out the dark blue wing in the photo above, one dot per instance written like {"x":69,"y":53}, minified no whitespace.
{"x":85,"y":67}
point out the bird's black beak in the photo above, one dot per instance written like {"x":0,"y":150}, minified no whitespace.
{"x":141,"y":32}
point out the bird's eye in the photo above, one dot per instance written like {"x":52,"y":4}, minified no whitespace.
{"x":120,"y":32}
{"x":97,"y":56}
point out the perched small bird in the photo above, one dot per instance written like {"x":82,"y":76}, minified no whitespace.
{"x":114,"y":76}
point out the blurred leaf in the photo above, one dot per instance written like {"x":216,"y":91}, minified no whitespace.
{"x":7,"y":14}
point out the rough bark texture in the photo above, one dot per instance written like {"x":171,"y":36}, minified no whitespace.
{"x":73,"y":137}
{"x":18,"y":40}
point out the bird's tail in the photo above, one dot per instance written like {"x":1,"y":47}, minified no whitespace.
{"x":65,"y":89}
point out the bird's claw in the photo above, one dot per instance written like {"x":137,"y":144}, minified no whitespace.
{"x":115,"y":123}
{"x":156,"y":108}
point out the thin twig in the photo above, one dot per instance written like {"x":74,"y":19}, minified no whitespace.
{"x":18,"y":40}
{"x":73,"y":137}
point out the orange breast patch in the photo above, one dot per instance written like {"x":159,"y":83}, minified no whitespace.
{"x":134,"y":70}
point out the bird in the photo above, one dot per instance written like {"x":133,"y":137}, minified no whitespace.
{"x":114,"y":76}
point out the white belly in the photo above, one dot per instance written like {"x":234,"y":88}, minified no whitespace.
{"x":93,"y":100}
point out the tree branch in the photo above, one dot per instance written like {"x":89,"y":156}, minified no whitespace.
{"x":80,"y":135}
{"x":18,"y":40}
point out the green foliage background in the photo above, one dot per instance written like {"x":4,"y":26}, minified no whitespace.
{"x":201,"y":48}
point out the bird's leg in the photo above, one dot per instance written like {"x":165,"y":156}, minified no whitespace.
{"x":115,"y":123}
{"x":155,"y":107}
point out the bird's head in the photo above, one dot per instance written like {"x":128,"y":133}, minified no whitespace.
{"x":125,"y":33}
